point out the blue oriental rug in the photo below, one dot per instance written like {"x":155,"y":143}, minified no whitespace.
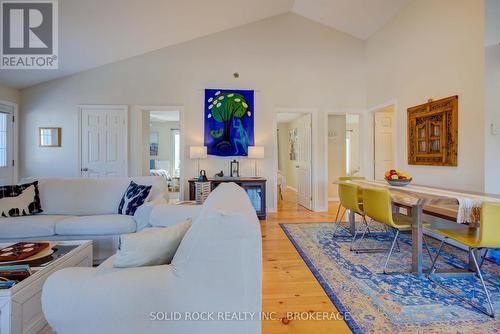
{"x":399,"y":302}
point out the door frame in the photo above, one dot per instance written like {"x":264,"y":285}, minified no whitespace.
{"x":139,"y":110}
{"x":371,"y":134}
{"x":15,"y":139}
{"x":344,"y":112}
{"x":118,"y":107}
{"x":314,"y":163}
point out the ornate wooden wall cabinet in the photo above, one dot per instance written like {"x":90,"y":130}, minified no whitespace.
{"x":433,"y":133}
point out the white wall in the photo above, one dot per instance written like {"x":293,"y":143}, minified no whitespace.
{"x":290,"y":61}
{"x":336,"y":152}
{"x":434,"y":49}
{"x":284,"y":156}
{"x":492,"y":147}
{"x":9,"y":94}
{"x":352,"y":125}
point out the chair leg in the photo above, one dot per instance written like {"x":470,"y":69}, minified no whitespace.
{"x":367,"y":228}
{"x":427,"y":248}
{"x":338,"y":221}
{"x":390,"y":252}
{"x":397,"y":243}
{"x":356,"y":233}
{"x":433,"y":269}
{"x":483,"y":258}
{"x":492,"y":311}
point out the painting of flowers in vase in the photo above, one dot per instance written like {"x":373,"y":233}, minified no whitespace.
{"x":229,"y":122}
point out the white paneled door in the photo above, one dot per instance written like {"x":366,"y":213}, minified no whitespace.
{"x":104,"y":141}
{"x":384,"y":143}
{"x":303,"y":162}
{"x":6,"y":144}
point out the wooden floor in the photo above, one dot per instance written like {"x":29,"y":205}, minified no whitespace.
{"x":288,"y":284}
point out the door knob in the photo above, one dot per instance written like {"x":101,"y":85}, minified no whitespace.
{"x":85,"y":169}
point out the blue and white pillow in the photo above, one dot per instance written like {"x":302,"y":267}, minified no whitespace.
{"x":134,"y":197}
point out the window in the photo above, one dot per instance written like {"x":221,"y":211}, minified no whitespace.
{"x":177,"y":152}
{"x":4,"y":119}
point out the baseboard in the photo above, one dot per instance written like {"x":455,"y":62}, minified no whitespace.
{"x":333,"y":199}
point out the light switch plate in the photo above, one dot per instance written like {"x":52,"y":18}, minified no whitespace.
{"x":494,"y":129}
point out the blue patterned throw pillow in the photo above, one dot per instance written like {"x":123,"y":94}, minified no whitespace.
{"x":134,"y":197}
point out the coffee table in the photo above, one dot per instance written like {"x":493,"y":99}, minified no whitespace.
{"x":20,"y":306}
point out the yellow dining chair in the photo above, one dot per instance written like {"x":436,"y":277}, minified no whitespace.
{"x":349,"y":200}
{"x":377,"y":205}
{"x":486,"y":236}
{"x":343,"y":179}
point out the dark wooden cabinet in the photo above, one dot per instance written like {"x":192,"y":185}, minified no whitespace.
{"x":254,"y":186}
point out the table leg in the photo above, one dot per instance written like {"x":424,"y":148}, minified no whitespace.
{"x":352,"y":222}
{"x":416,"y":238}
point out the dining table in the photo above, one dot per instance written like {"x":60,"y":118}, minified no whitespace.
{"x":462,"y":207}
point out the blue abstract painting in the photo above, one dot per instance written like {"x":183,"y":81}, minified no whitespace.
{"x":229,"y":125}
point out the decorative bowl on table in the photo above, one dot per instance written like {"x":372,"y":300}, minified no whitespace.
{"x":397,"y":178}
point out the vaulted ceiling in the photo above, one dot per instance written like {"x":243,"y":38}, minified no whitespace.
{"x":98,"y":32}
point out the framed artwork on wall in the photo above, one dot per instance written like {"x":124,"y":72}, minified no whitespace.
{"x":229,"y":122}
{"x":154,"y":139}
{"x":433,"y":133}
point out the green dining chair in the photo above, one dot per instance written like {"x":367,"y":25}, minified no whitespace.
{"x":377,"y":205}
{"x":484,"y":237}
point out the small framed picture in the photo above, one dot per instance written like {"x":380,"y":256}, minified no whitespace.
{"x":153,"y":143}
{"x":50,"y":137}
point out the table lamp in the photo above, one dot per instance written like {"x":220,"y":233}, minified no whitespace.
{"x":198,"y":152}
{"x":256,"y":152}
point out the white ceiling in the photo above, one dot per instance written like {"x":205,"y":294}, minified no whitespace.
{"x":98,"y":32}
{"x":360,"y":18}
{"x":164,"y":116}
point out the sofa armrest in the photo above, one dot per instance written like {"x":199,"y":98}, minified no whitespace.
{"x":137,"y":300}
{"x":106,"y":300}
{"x":168,"y":214}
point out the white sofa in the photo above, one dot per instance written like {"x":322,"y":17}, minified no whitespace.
{"x":217,"y":268}
{"x":83,"y":208}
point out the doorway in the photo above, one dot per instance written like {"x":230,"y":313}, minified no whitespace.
{"x":343,"y":149}
{"x":161,"y":148}
{"x":384,"y":141}
{"x":294,"y":155}
{"x":103,"y":140}
{"x":7,"y":143}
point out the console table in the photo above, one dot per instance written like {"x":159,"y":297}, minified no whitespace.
{"x":254,"y":186}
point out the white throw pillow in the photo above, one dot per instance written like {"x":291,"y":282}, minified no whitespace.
{"x":150,"y":247}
